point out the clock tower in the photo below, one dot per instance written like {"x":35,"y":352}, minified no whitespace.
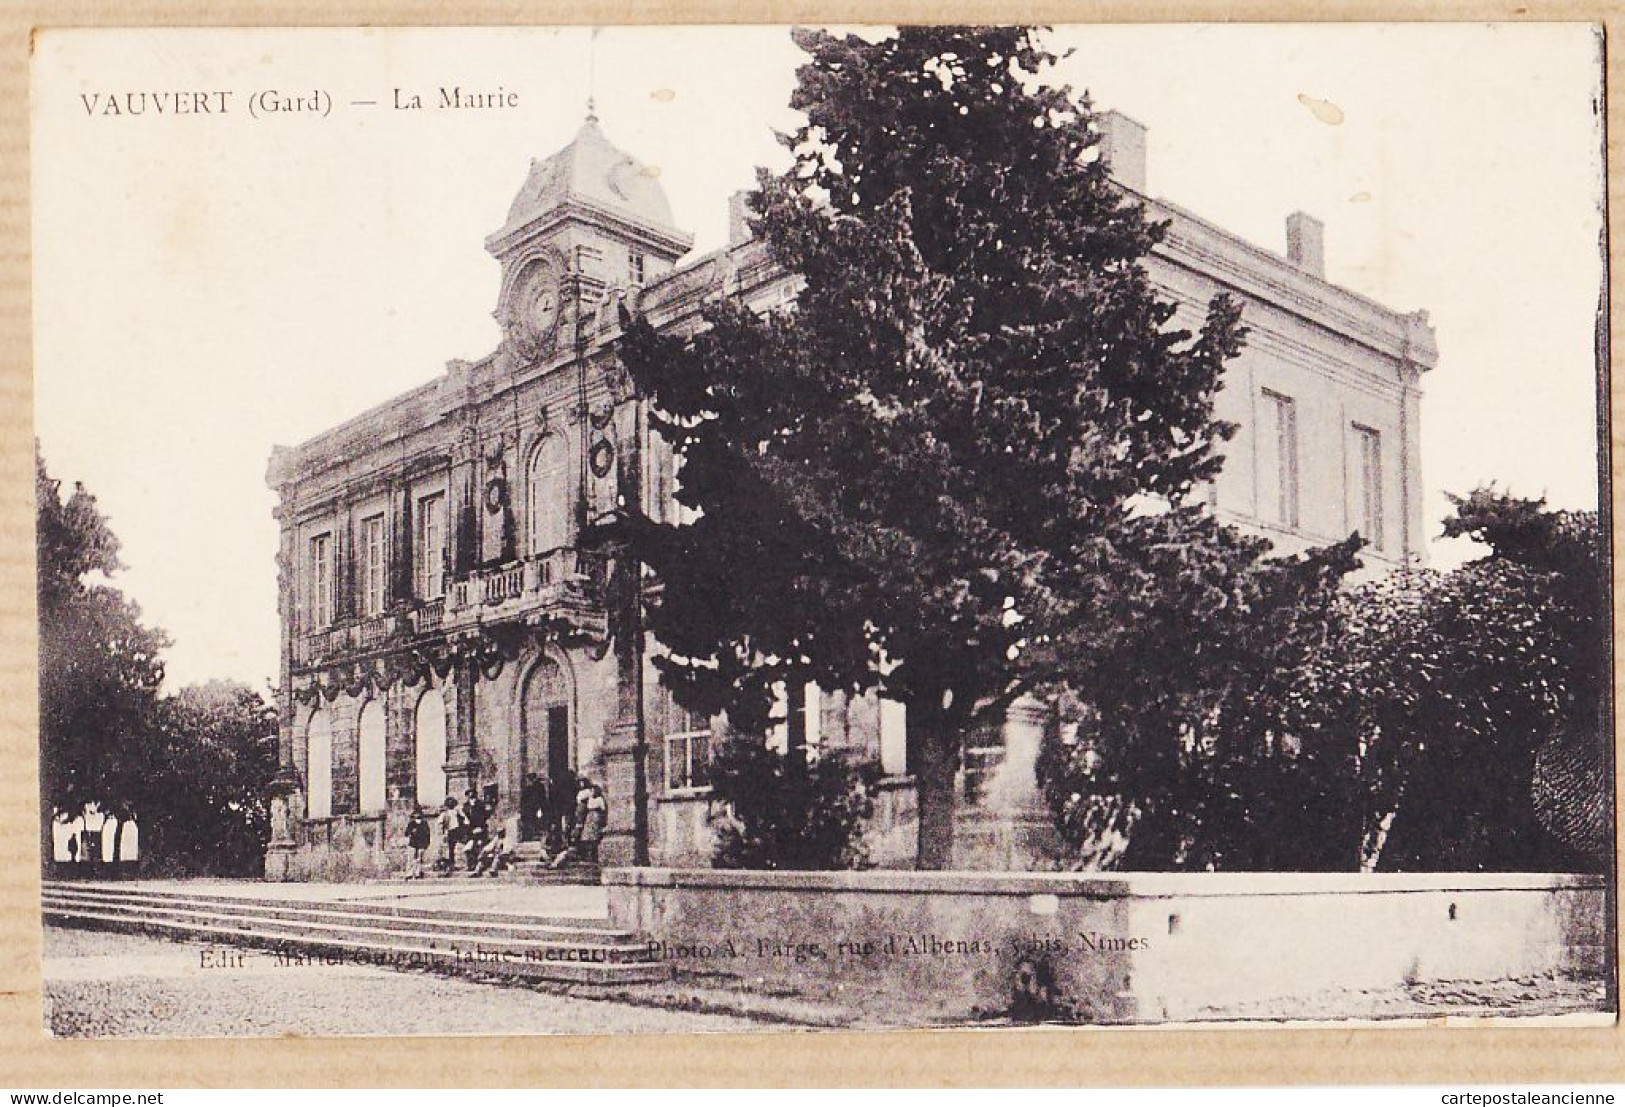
{"x":589,"y":219}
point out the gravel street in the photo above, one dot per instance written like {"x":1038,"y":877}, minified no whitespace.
{"x":100,"y":984}
{"x":1583,"y":999}
{"x":126,"y":986}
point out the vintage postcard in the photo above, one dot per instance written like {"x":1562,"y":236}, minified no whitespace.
{"x":699,"y":528}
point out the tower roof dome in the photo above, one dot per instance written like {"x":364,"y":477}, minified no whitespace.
{"x":593,"y":171}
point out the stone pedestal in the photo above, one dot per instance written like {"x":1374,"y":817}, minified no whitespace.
{"x":279,"y":862}
{"x":618,"y":755}
{"x":462,"y":775}
{"x":279,"y":854}
{"x":1012,"y":829}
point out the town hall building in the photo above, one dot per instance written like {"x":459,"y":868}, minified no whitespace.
{"x":444,"y":628}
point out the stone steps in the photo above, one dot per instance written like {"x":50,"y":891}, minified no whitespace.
{"x":372,"y":908}
{"x":538,"y":872}
{"x":551,"y":950}
{"x":531,"y":872}
{"x":481,"y":925}
{"x":530,"y":866}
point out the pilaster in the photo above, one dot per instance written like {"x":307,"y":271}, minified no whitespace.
{"x":346,"y":716}
{"x":463,"y":503}
{"x":618,"y":757}
{"x":462,"y":762}
{"x":400,"y":762}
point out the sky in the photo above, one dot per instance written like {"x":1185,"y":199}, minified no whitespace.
{"x":209,"y":285}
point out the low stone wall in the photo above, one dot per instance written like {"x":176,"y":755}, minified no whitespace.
{"x":344,"y":847}
{"x":936,"y":947}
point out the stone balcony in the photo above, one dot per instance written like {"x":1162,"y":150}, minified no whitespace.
{"x":564,"y":587}
{"x":564,"y":584}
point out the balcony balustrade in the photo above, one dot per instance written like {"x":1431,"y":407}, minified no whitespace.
{"x":376,"y":630}
{"x":565,"y":580}
{"x":540,"y":579}
{"x":327,"y":642}
{"x":566,"y":566}
{"x":505,"y":583}
{"x":429,"y":615}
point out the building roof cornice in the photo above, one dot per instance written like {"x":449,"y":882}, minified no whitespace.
{"x":675,"y":298}
{"x":1208,"y":250}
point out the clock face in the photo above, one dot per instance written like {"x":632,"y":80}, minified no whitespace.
{"x":531,"y":312}
{"x":544,"y":308}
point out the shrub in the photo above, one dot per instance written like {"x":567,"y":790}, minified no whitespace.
{"x":786,"y":814}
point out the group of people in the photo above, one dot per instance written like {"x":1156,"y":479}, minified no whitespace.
{"x":584,"y":827}
{"x":570,"y":827}
{"x":465,"y":828}
{"x":568,"y":814}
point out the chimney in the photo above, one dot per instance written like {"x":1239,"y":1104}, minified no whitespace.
{"x":1306,"y":243}
{"x":1122,"y":148}
{"x":738,"y":218}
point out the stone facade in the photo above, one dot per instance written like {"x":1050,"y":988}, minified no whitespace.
{"x":444,"y":628}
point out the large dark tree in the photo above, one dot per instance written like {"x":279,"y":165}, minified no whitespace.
{"x":1420,"y":721}
{"x":99,"y":667}
{"x":217,"y":756}
{"x":1480,"y":696}
{"x":1199,"y":743}
{"x":960,"y":468}
{"x":190,"y":769}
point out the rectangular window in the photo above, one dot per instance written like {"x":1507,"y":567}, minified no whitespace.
{"x":1369,"y":484}
{"x":682,"y":514}
{"x":321,"y":580}
{"x":588,"y":259}
{"x":372,"y":565}
{"x":634,"y":268}
{"x":778,"y":730}
{"x":1278,"y":459}
{"x":429,"y":547}
{"x":893,"y":738}
{"x":813,"y":712}
{"x":811,"y":709}
{"x":663,"y":507}
{"x":688,"y":752}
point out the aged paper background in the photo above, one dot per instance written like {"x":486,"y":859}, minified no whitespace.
{"x":29,"y":1059}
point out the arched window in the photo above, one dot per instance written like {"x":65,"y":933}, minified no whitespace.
{"x":549,"y":502}
{"x":431,"y":749}
{"x":319,"y":767}
{"x":370,"y":758}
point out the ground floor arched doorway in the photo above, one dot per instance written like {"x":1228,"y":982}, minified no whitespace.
{"x":547,"y":769}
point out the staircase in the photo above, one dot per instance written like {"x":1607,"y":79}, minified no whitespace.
{"x":529,"y":866}
{"x":569,"y":951}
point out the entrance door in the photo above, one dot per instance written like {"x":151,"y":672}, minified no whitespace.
{"x":558,"y":743}
{"x":546,"y":746}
